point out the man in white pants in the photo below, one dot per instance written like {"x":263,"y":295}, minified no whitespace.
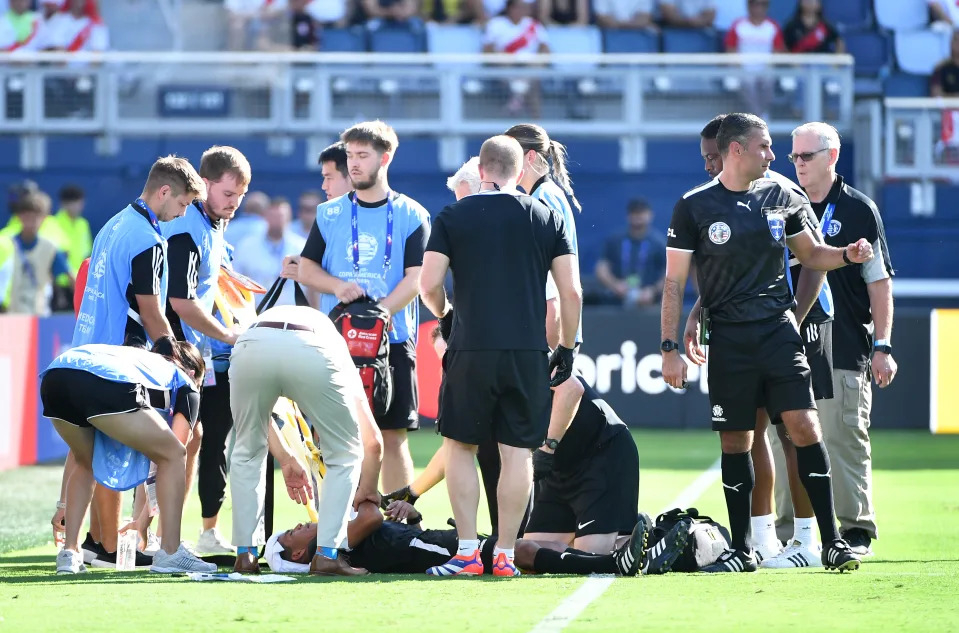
{"x":297,"y":352}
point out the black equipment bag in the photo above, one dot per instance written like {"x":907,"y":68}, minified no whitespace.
{"x":707,"y":538}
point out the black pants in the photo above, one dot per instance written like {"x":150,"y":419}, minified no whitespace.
{"x":487,"y":454}
{"x":217,"y":422}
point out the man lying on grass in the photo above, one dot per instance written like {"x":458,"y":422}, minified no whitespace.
{"x":397,"y":544}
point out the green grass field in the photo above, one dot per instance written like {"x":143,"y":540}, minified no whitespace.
{"x":911,"y":584}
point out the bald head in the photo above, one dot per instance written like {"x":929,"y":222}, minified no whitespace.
{"x":501,"y":160}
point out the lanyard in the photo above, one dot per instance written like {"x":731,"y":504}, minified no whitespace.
{"x":354,"y":225}
{"x":825,"y":294}
{"x":140,"y":202}
{"x":626,"y":257}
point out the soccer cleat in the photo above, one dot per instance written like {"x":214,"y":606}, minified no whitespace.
{"x":503,"y":566}
{"x":859,"y":541}
{"x":70,"y":562}
{"x":732,"y":560}
{"x":767,"y":550}
{"x":837,"y":555}
{"x":661,"y":556}
{"x":179,"y":562}
{"x":459,"y":565}
{"x":631,"y":555}
{"x":795,"y":555}
{"x":90,"y":549}
{"x":212,"y":542}
{"x":403,"y":494}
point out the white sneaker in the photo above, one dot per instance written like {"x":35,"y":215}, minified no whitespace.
{"x":212,"y":542}
{"x":153,"y":544}
{"x":795,"y":555}
{"x":181,"y":561}
{"x":70,"y":562}
{"x":765,"y":551}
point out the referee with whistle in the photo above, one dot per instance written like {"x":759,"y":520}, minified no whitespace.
{"x":736,"y":226}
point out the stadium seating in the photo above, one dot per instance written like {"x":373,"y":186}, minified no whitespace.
{"x":870,"y":50}
{"x":575,"y":40}
{"x":900,"y":84}
{"x":351,"y":40}
{"x":445,"y":39}
{"x":782,"y":10}
{"x":850,"y":14}
{"x":918,"y":52}
{"x":630,"y":41}
{"x":396,"y":38}
{"x":689,"y":41}
{"x":901,"y":15}
{"x":728,"y":12}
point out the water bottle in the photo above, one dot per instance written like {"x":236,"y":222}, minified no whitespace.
{"x":126,"y":549}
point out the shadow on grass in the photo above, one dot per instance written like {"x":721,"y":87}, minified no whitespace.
{"x":41,"y":576}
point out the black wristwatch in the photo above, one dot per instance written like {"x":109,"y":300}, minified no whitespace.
{"x":885,"y":349}
{"x":551,"y":444}
{"x":668,"y":345}
{"x":846,"y":259}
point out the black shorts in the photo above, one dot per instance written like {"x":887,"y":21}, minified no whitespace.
{"x":396,"y":548}
{"x":600,"y":497}
{"x":754,"y":365}
{"x":817,"y":342}
{"x":75,"y":396}
{"x":404,"y":410}
{"x":495,"y":394}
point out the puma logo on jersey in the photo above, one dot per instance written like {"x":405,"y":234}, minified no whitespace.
{"x":826,"y":474}
{"x":740,"y":203}
{"x":733,"y":488}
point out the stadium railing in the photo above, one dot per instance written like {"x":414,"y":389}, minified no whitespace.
{"x":922,"y":138}
{"x":629,"y":96}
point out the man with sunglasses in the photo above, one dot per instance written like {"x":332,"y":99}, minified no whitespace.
{"x":864,"y":309}
{"x":737,"y":227}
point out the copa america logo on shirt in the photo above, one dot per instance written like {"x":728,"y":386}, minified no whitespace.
{"x":777,"y":225}
{"x":834,"y":227}
{"x":368,"y":247}
{"x":719,"y":233}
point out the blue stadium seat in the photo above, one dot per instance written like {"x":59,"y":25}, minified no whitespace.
{"x":849,"y":14}
{"x":905,"y":85}
{"x":631,"y":41}
{"x":870,"y":50}
{"x":397,"y":39}
{"x":575,"y":40}
{"x":445,"y":38}
{"x":352,"y":40}
{"x":689,"y":41}
{"x":728,"y":12}
{"x":918,"y":52}
{"x":782,"y":10}
{"x":901,"y":15}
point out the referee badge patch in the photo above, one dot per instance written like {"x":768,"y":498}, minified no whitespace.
{"x":719,"y":233}
{"x":777,"y":224}
{"x":834,"y":227}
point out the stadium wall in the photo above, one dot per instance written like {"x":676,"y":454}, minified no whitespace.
{"x":620,"y":358}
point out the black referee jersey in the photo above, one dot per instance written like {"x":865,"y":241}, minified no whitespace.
{"x":737,"y":239}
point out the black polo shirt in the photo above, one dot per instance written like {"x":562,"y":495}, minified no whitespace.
{"x":737,"y":239}
{"x":500,"y":245}
{"x":855,"y":217}
{"x":593,"y":426}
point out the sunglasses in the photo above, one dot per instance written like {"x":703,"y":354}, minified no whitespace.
{"x":805,"y":156}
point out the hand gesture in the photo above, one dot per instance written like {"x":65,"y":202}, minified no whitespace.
{"x":298,"y":484}
{"x":859,"y":252}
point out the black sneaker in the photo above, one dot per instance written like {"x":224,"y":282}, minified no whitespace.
{"x":631,"y":555}
{"x":732,"y":560}
{"x":89,"y":548}
{"x":109,"y":560}
{"x":859,"y":541}
{"x":661,"y":556}
{"x":403,"y":494}
{"x":838,"y":555}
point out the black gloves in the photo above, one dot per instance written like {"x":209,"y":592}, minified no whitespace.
{"x":562,"y":362}
{"x":446,"y":325}
{"x":542,"y":464}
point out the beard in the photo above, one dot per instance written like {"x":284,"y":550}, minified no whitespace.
{"x":369,"y":183}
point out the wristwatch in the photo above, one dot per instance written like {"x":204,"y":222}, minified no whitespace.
{"x":882,"y":345}
{"x":551,"y":444}
{"x":845,"y":258}
{"x":668,"y":345}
